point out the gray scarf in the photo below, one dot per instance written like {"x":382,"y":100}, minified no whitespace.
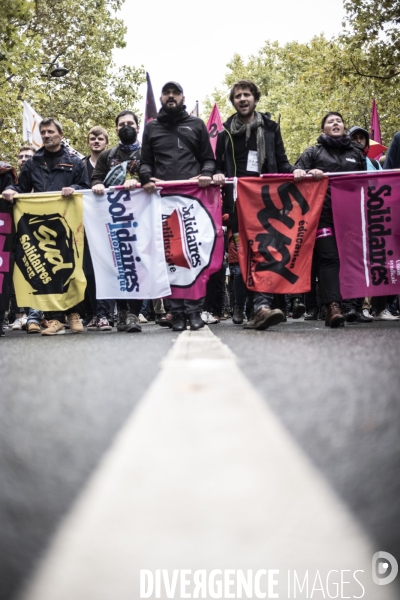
{"x":239,"y":128}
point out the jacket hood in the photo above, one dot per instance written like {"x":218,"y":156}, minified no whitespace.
{"x":355,"y":128}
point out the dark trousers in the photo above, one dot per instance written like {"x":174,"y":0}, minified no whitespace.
{"x":133,"y":306}
{"x":239,"y":288}
{"x":182,"y":305}
{"x":214,"y":298}
{"x":311,"y":297}
{"x":99,"y":308}
{"x":328,"y":256}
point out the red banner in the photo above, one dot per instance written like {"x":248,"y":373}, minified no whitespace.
{"x":5,"y":254}
{"x":214,"y":126}
{"x":278,"y":221}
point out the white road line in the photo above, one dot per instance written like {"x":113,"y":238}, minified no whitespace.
{"x":203,"y":476}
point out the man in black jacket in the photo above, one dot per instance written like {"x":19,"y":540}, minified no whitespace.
{"x":249,"y":145}
{"x":51,"y":169}
{"x":176,"y":146}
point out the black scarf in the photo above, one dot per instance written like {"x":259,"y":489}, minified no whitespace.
{"x":171,"y":118}
{"x":334,"y":142}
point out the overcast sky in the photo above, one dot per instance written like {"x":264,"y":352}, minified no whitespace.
{"x":192,"y":46}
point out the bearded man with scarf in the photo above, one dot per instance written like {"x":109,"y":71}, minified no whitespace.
{"x":112,"y":168}
{"x":251,"y":144}
{"x":176,"y":146}
{"x":334,"y":152}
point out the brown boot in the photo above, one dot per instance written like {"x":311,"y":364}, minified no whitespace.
{"x":334,"y":317}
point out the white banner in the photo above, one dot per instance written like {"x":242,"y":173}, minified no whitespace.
{"x":126,"y":244}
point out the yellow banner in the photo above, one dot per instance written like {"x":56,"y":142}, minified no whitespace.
{"x":48,"y":272}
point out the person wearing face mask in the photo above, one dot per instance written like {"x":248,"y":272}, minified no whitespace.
{"x":119,"y":165}
{"x":334,"y":152}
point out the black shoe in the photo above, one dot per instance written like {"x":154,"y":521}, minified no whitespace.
{"x":312,"y":315}
{"x":298,"y":309}
{"x":132,"y":323}
{"x":364,"y":316}
{"x":351,"y":315}
{"x":195,"y":320}
{"x":179,"y":322}
{"x":2,"y":329}
{"x":237,"y":317}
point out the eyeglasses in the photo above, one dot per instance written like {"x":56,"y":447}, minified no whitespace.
{"x":20,"y":156}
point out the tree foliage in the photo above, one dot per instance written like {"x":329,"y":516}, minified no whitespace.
{"x":82,"y":37}
{"x":373,"y":26}
{"x":300,"y":82}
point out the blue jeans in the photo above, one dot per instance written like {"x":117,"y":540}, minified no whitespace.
{"x":262,"y":299}
{"x":34,"y":316}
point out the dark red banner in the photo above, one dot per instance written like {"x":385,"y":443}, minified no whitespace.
{"x":5,"y":254}
{"x":278,"y":221}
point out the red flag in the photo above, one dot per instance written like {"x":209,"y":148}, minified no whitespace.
{"x":214,"y":126}
{"x":151,"y":109}
{"x":375,"y":133}
{"x":278,"y":220}
{"x":375,"y":149}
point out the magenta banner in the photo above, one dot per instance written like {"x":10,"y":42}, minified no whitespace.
{"x":366,"y":213}
{"x":193,"y":237}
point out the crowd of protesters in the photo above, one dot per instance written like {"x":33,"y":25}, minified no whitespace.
{"x":176,"y":146}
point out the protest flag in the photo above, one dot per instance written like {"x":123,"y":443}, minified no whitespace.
{"x":278,"y":220}
{"x":151,"y":109}
{"x":375,"y":149}
{"x":6,"y":245}
{"x":30,"y":126}
{"x":366,"y":213}
{"x":375,"y":133}
{"x":126,"y":244}
{"x":214,"y":126}
{"x":31,"y":133}
{"x":193,"y":236}
{"x":48,"y":272}
{"x":195,"y":112}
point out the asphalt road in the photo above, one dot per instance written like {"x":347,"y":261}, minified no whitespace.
{"x":63,"y":399}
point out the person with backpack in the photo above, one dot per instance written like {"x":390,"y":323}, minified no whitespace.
{"x":334,"y":152}
{"x":119,"y":165}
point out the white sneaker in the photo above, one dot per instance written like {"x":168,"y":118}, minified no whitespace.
{"x":386,"y":315}
{"x":208,"y":318}
{"x":142,"y":319}
{"x":20,"y":323}
{"x":204,"y":316}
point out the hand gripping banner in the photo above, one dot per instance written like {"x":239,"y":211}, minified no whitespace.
{"x":278,"y":221}
{"x":48,"y":271}
{"x":193,"y":237}
{"x":366,"y":212}
{"x":126,"y":244}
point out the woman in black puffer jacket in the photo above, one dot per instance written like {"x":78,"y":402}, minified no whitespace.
{"x":334,"y":152}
